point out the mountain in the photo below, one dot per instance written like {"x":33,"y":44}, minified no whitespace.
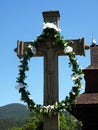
{"x":15,"y":110}
{"x":13,"y":115}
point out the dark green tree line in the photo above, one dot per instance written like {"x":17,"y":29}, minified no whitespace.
{"x":67,"y":122}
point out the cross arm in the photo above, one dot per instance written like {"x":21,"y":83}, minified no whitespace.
{"x":78,"y":46}
{"x":23,"y":46}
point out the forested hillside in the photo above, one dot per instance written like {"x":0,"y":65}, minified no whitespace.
{"x":17,"y":117}
{"x":13,"y":115}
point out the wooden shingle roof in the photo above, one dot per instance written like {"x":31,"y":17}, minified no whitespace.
{"x":87,"y":98}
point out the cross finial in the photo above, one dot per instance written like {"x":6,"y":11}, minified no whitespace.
{"x":51,"y":16}
{"x":93,"y":42}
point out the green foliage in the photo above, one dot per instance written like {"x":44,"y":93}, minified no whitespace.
{"x":67,"y":122}
{"x":63,"y":122}
{"x":34,"y":123}
{"x":8,"y":123}
{"x":15,"y":128}
{"x":50,"y":33}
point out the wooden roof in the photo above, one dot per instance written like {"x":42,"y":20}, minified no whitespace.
{"x":87,"y":98}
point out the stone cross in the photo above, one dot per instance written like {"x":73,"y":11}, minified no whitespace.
{"x":50,"y":55}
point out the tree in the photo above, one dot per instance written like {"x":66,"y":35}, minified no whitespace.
{"x":67,"y":122}
{"x":34,"y":123}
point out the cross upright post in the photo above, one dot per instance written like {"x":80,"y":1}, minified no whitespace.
{"x":50,"y":54}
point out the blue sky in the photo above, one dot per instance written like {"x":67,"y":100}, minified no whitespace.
{"x":22,"y":20}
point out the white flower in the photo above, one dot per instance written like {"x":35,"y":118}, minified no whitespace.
{"x":56,"y":104}
{"x":76,"y":76}
{"x":19,"y":86}
{"x":51,"y":25}
{"x":68,"y":49}
{"x":30,"y":98}
{"x":65,"y":44}
{"x":30,"y":46}
{"x":48,"y":108}
{"x":41,"y":110}
{"x":52,"y":106}
{"x":30,"y":106}
{"x":45,"y":107}
{"x":63,"y":104}
{"x":73,"y":93}
{"x":77,"y":61}
{"x":61,"y":110}
{"x":33,"y":49}
{"x":20,"y":68}
{"x":35,"y":106}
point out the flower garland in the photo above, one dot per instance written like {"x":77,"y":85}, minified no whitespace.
{"x":50,"y":31}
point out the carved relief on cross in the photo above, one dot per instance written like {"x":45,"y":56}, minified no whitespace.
{"x":50,"y":52}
